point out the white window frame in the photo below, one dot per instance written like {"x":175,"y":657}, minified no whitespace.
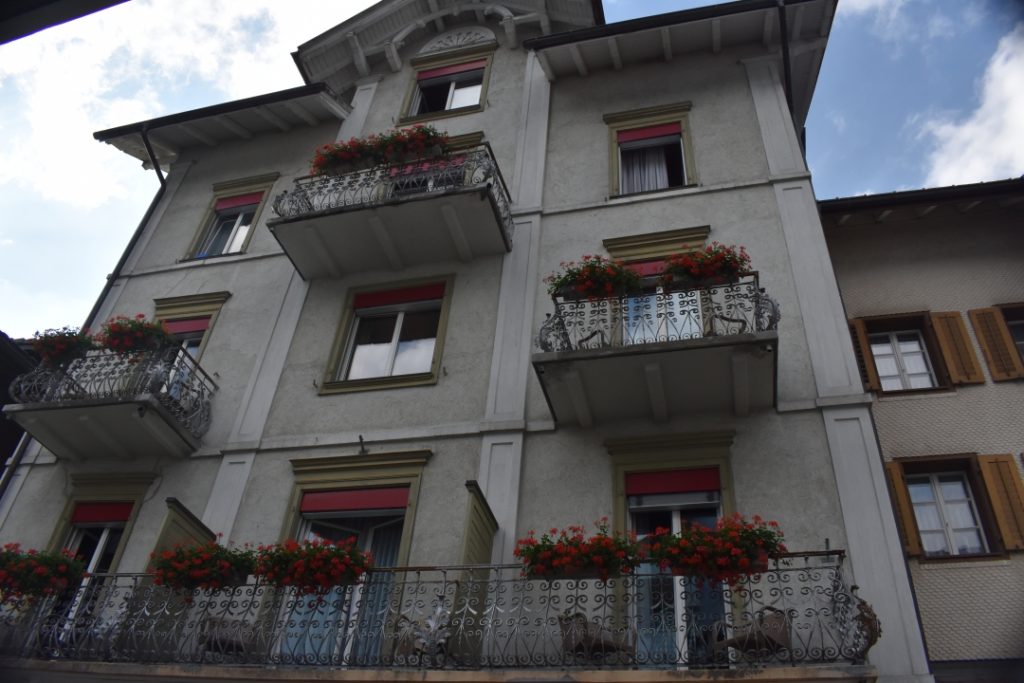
{"x":236,"y":238}
{"x":940,"y":505}
{"x":380,"y":311}
{"x":903,"y":375}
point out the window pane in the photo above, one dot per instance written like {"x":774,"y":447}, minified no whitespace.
{"x":921,"y":382}
{"x":909,"y":342}
{"x":915,"y":363}
{"x":372,"y":353}
{"x":920,"y":490}
{"x":244,"y":225}
{"x":969,"y":542}
{"x":880,"y":344}
{"x":886,"y":366}
{"x":218,"y":237}
{"x":433,"y":96}
{"x":891,"y":384}
{"x":644,"y":169}
{"x":934,"y":543}
{"x":953,"y":487}
{"x":647,"y":521}
{"x":416,"y":342}
{"x":927,"y":516}
{"x":466,"y":95}
{"x":960,"y":515}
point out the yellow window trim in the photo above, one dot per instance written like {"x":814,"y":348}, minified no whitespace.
{"x":230,"y":188}
{"x":92,"y":488}
{"x":650,"y":116}
{"x":194,"y":306}
{"x":330,"y":385}
{"x":657,"y":244}
{"x":668,"y":452}
{"x":400,"y":468}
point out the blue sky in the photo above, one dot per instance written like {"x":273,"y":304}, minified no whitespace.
{"x":912,"y":93}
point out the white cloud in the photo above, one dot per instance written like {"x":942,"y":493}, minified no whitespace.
{"x":989,"y":143}
{"x":889,"y":21}
{"x":838,"y":120}
{"x":940,"y":26}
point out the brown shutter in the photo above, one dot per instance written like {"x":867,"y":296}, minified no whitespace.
{"x":1000,"y":353}
{"x":1006,"y":493}
{"x":904,"y":510}
{"x":865,"y":361}
{"x":961,"y":363}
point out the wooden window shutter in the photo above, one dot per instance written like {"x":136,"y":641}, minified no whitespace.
{"x":904,"y":510}
{"x":1006,"y":493}
{"x":865,"y":361}
{"x":1000,"y":353}
{"x":951,"y":334}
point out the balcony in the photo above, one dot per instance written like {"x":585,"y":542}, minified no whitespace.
{"x":395,"y":216}
{"x":799,"y":620}
{"x":108,"y":405}
{"x":659,"y":355}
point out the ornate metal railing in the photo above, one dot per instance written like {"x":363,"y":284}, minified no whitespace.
{"x":391,"y":183}
{"x":472,"y":617}
{"x":168,"y":374}
{"x":659,"y":316}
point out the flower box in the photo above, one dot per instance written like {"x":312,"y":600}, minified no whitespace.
{"x":210,"y":566}
{"x":570,"y":553}
{"x":394,"y":146}
{"x":126,"y":335}
{"x":31,"y":574}
{"x":716,"y":264}
{"x":58,"y":347}
{"x":312,"y":566}
{"x":734,"y":549}
{"x":593,"y":277}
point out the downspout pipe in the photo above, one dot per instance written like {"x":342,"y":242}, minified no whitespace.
{"x":112,"y":278}
{"x":787,"y":74}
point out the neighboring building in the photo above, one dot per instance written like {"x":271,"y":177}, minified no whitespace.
{"x":934,"y":290}
{"x":356,"y":347}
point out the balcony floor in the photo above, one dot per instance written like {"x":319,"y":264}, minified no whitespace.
{"x":729,"y":373}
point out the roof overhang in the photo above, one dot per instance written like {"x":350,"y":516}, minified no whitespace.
{"x":714,"y":29}
{"x":960,"y":200}
{"x":371,"y":42}
{"x":307,"y":105}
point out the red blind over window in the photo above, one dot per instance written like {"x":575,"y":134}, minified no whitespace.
{"x":92,"y":513}
{"x":187,"y":325}
{"x":355,"y":499}
{"x":407,"y":295}
{"x":649,"y":132}
{"x":453,"y":69}
{"x":647,"y":268}
{"x":238,"y":200}
{"x":673,"y":481}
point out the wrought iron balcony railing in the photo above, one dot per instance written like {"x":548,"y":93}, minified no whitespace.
{"x":168,"y":374}
{"x":664,"y":316}
{"x":801,"y":611}
{"x":463,"y":170}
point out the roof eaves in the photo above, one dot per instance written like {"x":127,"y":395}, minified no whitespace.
{"x":921,"y":196}
{"x":214,"y":110}
{"x":655,"y":21}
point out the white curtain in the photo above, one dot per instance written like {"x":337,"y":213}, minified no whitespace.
{"x":643,"y":170}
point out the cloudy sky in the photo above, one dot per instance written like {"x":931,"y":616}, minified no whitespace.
{"x":912,"y":93}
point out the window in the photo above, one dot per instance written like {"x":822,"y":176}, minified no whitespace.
{"x":228,"y":225}
{"x":190,"y":318}
{"x":391,"y":337}
{"x":958,"y":505}
{"x":946,"y":516}
{"x":650,"y":149}
{"x":448,"y":86}
{"x":914,"y":351}
{"x":901,"y":361}
{"x":96,"y":532}
{"x":650,"y":159}
{"x":1000,"y":333}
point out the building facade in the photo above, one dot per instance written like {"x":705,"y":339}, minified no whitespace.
{"x":374,"y":353}
{"x":932,"y":286}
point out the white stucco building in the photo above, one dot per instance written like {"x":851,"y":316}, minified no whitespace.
{"x":375,"y":353}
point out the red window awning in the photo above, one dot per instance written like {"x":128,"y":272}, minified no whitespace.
{"x":406,"y":295}
{"x":355,"y":499}
{"x":647,"y":268}
{"x":100,"y":512}
{"x":226,"y":203}
{"x":453,"y":69}
{"x":649,"y":132}
{"x":673,"y":481}
{"x":187,"y":325}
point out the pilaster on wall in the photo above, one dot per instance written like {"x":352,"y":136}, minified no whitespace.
{"x":876,"y":553}
{"x":501,"y":454}
{"x":362,"y":99}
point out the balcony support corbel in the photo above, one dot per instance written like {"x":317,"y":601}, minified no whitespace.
{"x":656,"y":391}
